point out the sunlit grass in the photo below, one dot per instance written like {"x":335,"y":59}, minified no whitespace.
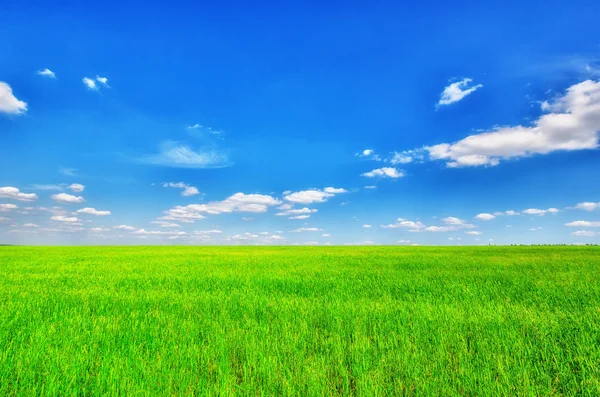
{"x":300,"y":321}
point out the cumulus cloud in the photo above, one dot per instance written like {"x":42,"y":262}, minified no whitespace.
{"x":582,"y":224}
{"x":13,"y":193}
{"x":313,"y":195}
{"x":535,"y":211}
{"x":457,"y":91}
{"x":8,"y":102}
{"x":92,"y":211}
{"x":159,"y":232}
{"x":238,"y":202}
{"x":46,"y":73}
{"x":405,"y":224}
{"x":370,"y":154}
{"x":76,"y":187}
{"x":165,"y":224}
{"x":124,"y":227}
{"x":485,"y":217}
{"x":7,"y":207}
{"x":306,"y":229}
{"x":67,"y":198}
{"x":587,"y":206}
{"x":509,"y":213}
{"x":66,"y":219}
{"x":299,"y":217}
{"x":474,"y":233}
{"x":31,"y":225}
{"x":385,"y":172}
{"x":102,"y":80}
{"x":188,"y":190}
{"x":571,"y":122}
{"x":301,"y":211}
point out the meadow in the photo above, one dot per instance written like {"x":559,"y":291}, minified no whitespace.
{"x":301,"y":321}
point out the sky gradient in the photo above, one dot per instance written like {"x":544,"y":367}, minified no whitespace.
{"x":270,"y":123}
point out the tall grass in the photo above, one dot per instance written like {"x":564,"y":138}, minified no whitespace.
{"x":498,"y":321}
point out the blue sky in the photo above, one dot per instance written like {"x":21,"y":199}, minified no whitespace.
{"x":298,"y":123}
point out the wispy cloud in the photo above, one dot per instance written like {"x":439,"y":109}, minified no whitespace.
{"x":457,"y":91}
{"x":46,"y":73}
{"x":180,"y":155}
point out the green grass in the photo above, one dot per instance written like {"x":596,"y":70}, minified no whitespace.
{"x":133,"y":321}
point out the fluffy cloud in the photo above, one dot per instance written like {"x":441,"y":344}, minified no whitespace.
{"x":89,"y":83}
{"x":401,"y":158}
{"x":92,"y":211}
{"x":535,"y":211}
{"x":385,"y":172}
{"x":405,"y":224}
{"x":8,"y":102}
{"x":457,"y":91}
{"x":301,"y":211}
{"x":7,"y":207}
{"x":159,"y":232}
{"x":67,"y":198}
{"x":102,"y":80}
{"x":76,"y":187}
{"x":188,"y":190}
{"x":583,"y":224}
{"x":313,"y":195}
{"x":66,"y":219}
{"x":239,"y":202}
{"x":584,"y":233}
{"x":13,"y":193}
{"x":587,"y":206}
{"x":485,"y":217}
{"x":165,"y":224}
{"x":572,"y":122}
{"x":31,"y":225}
{"x":124,"y":227}
{"x":509,"y":213}
{"x":368,"y":153}
{"x":46,"y":73}
{"x":299,"y":217}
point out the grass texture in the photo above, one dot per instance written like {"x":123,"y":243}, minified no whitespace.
{"x":300,"y":321}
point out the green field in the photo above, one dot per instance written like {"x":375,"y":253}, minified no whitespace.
{"x":136,"y":321}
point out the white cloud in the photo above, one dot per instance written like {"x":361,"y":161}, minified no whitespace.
{"x":367,"y":226}
{"x":238,"y":202}
{"x":453,"y":221}
{"x":474,"y":233}
{"x":67,"y":219}
{"x":159,"y":232}
{"x":370,"y":154}
{"x":405,"y":224}
{"x":535,"y":229}
{"x":67,"y":198}
{"x":371,"y":187}
{"x":285,"y":206}
{"x":442,"y":229}
{"x":401,"y":158}
{"x":583,"y":224}
{"x":509,"y":213}
{"x":92,"y":211}
{"x":188,"y":190}
{"x":326,"y":235}
{"x":68,"y":171}
{"x":165,"y":224}
{"x":584,"y":233}
{"x":572,"y":123}
{"x":7,"y":207}
{"x":313,"y":195}
{"x":31,"y":225}
{"x":385,"y":172}
{"x":76,"y":187}
{"x":457,"y":91}
{"x":124,"y":227}
{"x":206,"y":232}
{"x":299,"y":217}
{"x":485,"y":217}
{"x":102,"y":80}
{"x":13,"y":193}
{"x":301,"y":211}
{"x":47,"y":73}
{"x":306,"y":229}
{"x":587,"y":206}
{"x":8,"y":102}
{"x":404,"y":241}
{"x":535,"y":211}
{"x":90,"y":84}
{"x":178,"y":155}
{"x":99,"y":229}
